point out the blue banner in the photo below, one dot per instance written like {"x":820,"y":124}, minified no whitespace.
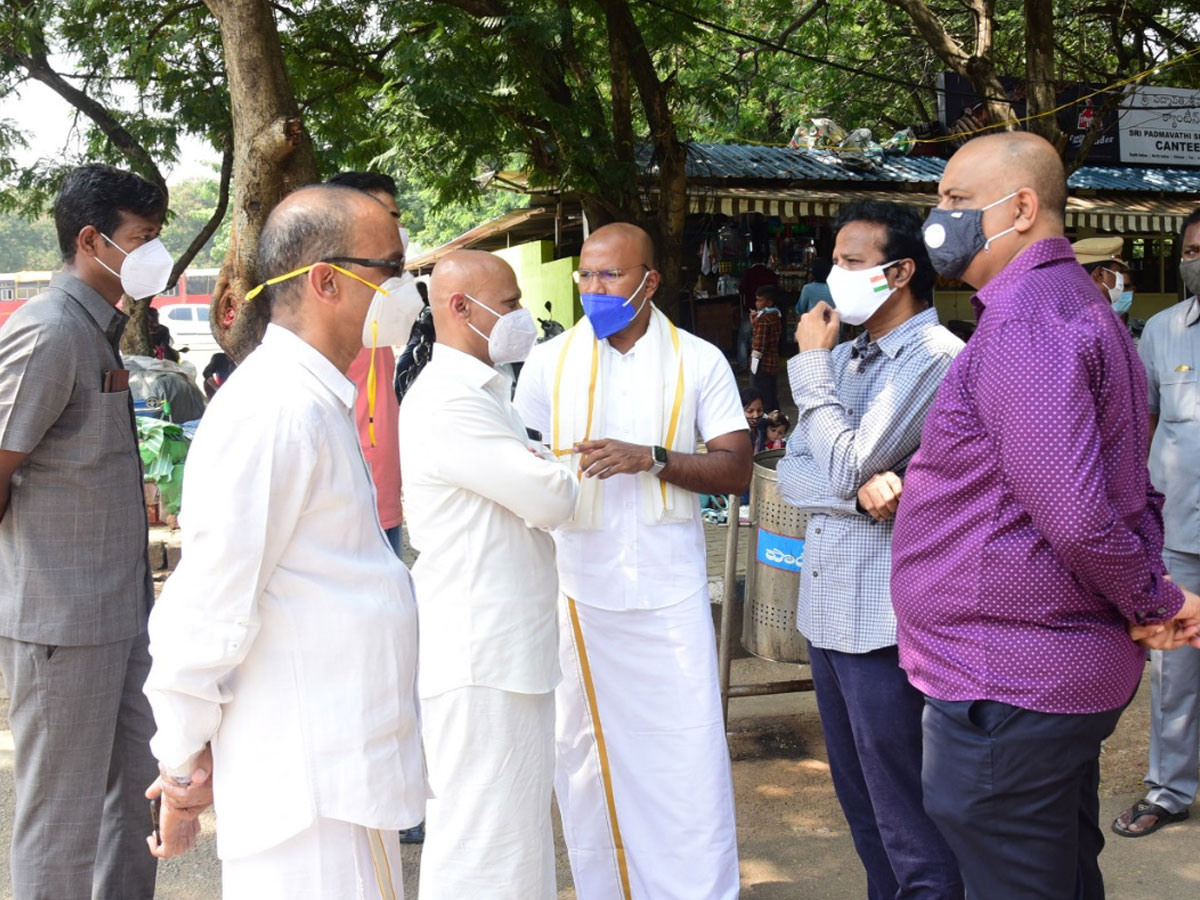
{"x":780,"y":551}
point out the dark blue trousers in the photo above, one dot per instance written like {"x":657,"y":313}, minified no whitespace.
{"x":1014,"y":793}
{"x":871,"y":717}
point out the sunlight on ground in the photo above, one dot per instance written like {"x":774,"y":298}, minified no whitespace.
{"x":760,"y":871}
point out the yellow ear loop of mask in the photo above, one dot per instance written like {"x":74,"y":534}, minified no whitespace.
{"x":372,"y":385}
{"x":255,"y":291}
{"x":372,"y":379}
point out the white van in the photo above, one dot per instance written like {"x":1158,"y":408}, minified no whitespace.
{"x":188,"y":324}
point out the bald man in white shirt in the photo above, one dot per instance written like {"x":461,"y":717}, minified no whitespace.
{"x":286,"y":638}
{"x":479,"y":497}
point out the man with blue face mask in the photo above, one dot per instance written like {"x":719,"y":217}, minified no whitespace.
{"x":643,"y":779}
{"x":1170,"y":350}
{"x":1101,"y":258}
{"x":75,"y":586}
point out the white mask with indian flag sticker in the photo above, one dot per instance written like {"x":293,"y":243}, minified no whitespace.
{"x":858,"y":293}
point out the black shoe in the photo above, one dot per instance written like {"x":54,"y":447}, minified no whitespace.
{"x":414,"y":835}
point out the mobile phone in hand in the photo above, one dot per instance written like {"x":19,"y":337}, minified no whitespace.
{"x":155,"y":806}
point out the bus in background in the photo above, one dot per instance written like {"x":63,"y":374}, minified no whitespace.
{"x":195,"y":287}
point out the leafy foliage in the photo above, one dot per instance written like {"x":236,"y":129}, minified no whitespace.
{"x":27,"y":245}
{"x":436,"y":91}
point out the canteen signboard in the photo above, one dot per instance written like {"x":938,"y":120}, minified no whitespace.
{"x":1160,"y":125}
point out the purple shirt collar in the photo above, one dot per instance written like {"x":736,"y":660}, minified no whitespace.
{"x":998,"y":291}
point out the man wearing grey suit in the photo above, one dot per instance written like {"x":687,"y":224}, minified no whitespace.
{"x":75,"y":583}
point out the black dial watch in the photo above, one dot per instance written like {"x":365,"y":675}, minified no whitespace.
{"x":659,"y":459}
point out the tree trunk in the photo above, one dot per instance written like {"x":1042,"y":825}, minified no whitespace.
{"x":670,"y":156}
{"x":273,"y":156}
{"x":1039,"y":70}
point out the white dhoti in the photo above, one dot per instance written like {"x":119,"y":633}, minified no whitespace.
{"x":488,"y":832}
{"x":643,"y":779}
{"x":329,"y":860}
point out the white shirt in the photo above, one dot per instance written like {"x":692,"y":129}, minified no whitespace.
{"x":477,"y":503}
{"x":287,"y":635}
{"x":628,"y":564}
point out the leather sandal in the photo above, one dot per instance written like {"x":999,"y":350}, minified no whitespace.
{"x":1125,"y":823}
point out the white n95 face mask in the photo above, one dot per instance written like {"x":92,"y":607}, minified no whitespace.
{"x":858,"y":293}
{"x":512,"y":337}
{"x":392,"y":312}
{"x":389,"y":321}
{"x":146,"y":270}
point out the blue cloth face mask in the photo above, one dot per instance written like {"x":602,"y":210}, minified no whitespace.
{"x":954,"y":237}
{"x":610,"y":313}
{"x":1122,"y":303}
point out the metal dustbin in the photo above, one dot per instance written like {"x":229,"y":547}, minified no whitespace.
{"x":776,"y":546}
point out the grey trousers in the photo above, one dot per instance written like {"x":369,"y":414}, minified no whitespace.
{"x":81,"y":728}
{"x":1175,"y":708}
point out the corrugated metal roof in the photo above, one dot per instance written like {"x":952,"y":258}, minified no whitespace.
{"x":1135,"y":178}
{"x":1128,"y":212}
{"x":746,"y":162}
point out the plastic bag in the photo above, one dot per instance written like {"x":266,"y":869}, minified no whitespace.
{"x":163,"y":448}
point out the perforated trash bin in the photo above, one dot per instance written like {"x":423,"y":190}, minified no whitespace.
{"x":776,"y":547}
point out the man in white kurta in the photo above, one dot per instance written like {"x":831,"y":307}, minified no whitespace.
{"x":642,"y":779}
{"x":286,"y":637}
{"x":479,"y":496}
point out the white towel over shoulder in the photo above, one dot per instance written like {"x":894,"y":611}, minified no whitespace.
{"x":668,"y":414}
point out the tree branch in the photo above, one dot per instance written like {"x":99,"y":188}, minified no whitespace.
{"x":1119,"y":11}
{"x":977,"y":67}
{"x":169,"y":16}
{"x":38,"y":66}
{"x":1039,"y":70}
{"x":930,"y":28}
{"x":792,"y":27}
{"x":480,"y":9}
{"x":218,"y":216}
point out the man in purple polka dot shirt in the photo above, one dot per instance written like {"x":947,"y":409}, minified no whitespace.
{"x":1027,"y":549}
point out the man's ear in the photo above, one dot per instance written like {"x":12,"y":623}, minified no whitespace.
{"x":653,"y":280}
{"x":903,"y":272}
{"x":88,"y":241}
{"x":459,"y":305}
{"x":1029,"y":204}
{"x":323,"y":283}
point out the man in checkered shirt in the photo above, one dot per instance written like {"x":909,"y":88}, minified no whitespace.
{"x":861,"y":408}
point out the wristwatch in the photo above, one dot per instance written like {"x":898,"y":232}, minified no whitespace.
{"x":658,"y":456}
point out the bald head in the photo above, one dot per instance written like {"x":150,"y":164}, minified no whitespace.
{"x":467,"y":272}
{"x":308,"y":225}
{"x":1018,"y":159}
{"x":468,"y":293}
{"x":630,"y":241}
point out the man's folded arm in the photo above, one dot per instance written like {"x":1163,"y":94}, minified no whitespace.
{"x":889,"y":431}
{"x":487,"y":458}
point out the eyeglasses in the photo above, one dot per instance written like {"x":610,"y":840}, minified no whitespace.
{"x":394,"y":267}
{"x":606,"y":276}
